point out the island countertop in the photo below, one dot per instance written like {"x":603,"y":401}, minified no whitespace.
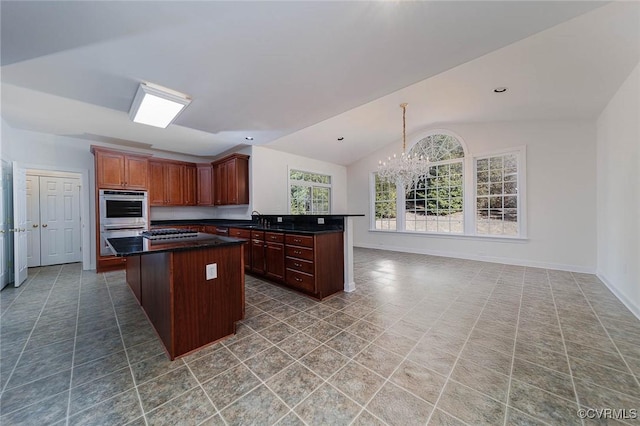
{"x":133,"y":246}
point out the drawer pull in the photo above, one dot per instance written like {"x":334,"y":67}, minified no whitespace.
{"x":298,"y":279}
{"x":297,"y":240}
{"x":296,"y":264}
{"x":297,"y":252}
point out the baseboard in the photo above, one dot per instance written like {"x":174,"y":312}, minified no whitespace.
{"x":492,"y":259}
{"x":635,"y":309}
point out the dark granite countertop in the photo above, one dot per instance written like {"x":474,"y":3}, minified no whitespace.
{"x":130,"y":246}
{"x":248,"y":224}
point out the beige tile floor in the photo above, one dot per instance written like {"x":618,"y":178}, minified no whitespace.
{"x":423,"y":340}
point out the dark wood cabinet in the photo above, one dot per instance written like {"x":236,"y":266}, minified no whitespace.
{"x":204,"y":185}
{"x":133,"y":276}
{"x":231,"y":180}
{"x":120,"y":170}
{"x":189,"y":175}
{"x":246,"y":235}
{"x":274,"y":256}
{"x":257,"y":252}
{"x":172,"y":183}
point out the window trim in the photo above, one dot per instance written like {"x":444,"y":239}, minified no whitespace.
{"x":521,"y":154}
{"x":469,"y":194}
{"x":311,"y":185}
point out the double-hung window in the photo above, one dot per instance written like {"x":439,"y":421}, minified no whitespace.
{"x":309,"y":193}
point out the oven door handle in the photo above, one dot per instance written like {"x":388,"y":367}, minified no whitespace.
{"x":123,"y":227}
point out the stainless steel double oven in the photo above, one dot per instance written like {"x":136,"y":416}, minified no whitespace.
{"x":122,"y":214}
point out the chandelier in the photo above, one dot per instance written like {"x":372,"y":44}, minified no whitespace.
{"x":405,"y":170}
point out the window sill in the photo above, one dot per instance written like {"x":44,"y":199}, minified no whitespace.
{"x":502,"y":239}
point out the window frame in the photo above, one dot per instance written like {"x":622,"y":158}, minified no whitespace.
{"x":521,"y":157}
{"x":309,"y":185}
{"x":469,"y":197}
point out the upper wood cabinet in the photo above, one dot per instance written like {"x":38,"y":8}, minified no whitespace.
{"x":120,"y":170}
{"x":172,"y":183}
{"x":231,"y":180}
{"x":204,"y":185}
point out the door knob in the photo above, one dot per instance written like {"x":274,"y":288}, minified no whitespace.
{"x":1,"y":231}
{"x":45,"y":225}
{"x":22,"y":229}
{"x":35,"y":225}
{"x":13,"y":230}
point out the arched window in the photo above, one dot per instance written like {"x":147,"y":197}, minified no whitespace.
{"x":435,"y":203}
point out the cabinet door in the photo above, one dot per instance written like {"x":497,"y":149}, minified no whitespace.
{"x":204,"y":185}
{"x":232,"y":182}
{"x":189,"y":175}
{"x":110,"y":170}
{"x":274,"y":261}
{"x":174,"y":184}
{"x":135,"y":172}
{"x":156,"y":183}
{"x":220,"y":184}
{"x":257,"y":256}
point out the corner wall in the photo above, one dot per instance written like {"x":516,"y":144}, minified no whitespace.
{"x":561,"y":188}
{"x":618,"y":193}
{"x":270,"y":180}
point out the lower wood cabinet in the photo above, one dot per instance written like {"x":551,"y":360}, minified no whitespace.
{"x":274,"y":256}
{"x":313,"y":264}
{"x":245,"y":234}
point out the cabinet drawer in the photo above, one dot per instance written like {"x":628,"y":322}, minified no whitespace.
{"x":299,"y":252}
{"x":274,"y":237}
{"x":239,"y":233}
{"x":257,"y":235}
{"x":299,"y":240}
{"x":301,"y":280}
{"x":300,"y":265}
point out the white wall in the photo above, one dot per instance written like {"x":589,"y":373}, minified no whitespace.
{"x":618,"y":200}
{"x":270,"y":180}
{"x":561,"y":187}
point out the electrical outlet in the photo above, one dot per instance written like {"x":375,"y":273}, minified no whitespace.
{"x":212,"y":271}
{"x":321,"y":221}
{"x":279,"y":220}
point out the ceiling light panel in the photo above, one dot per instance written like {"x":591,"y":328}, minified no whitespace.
{"x":156,"y":106}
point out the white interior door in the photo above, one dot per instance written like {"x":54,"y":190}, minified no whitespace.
{"x":33,"y":221}
{"x":19,"y":224}
{"x":4,"y":257}
{"x":60,"y":237}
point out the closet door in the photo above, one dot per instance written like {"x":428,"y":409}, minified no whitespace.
{"x":33,"y":221}
{"x":60,"y":220}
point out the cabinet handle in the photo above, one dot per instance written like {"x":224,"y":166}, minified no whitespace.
{"x":35,"y":225}
{"x":45,"y":225}
{"x":296,"y":240}
{"x":298,"y":279}
{"x":297,"y":265}
{"x":297,"y":252}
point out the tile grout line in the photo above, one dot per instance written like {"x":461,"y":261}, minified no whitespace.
{"x":564,"y":345}
{"x":515,"y":342}
{"x":455,"y":363}
{"x":201,"y":388}
{"x":126,"y":353}
{"x":26,"y":342}
{"x":73,"y":353}
{"x":637,"y":379}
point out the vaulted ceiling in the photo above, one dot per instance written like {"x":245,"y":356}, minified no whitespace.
{"x":295,"y":76}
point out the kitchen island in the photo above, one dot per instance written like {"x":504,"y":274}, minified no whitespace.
{"x":189,"y":302}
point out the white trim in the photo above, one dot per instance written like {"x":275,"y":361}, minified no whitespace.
{"x":521,"y":153}
{"x":419,"y":135}
{"x":491,"y":259}
{"x":86,"y":221}
{"x":626,"y":301}
{"x":309,"y":184}
{"x":478,"y":237}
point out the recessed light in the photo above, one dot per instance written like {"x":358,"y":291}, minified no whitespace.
{"x":249,"y":138}
{"x":500,"y":89}
{"x":341,"y":138}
